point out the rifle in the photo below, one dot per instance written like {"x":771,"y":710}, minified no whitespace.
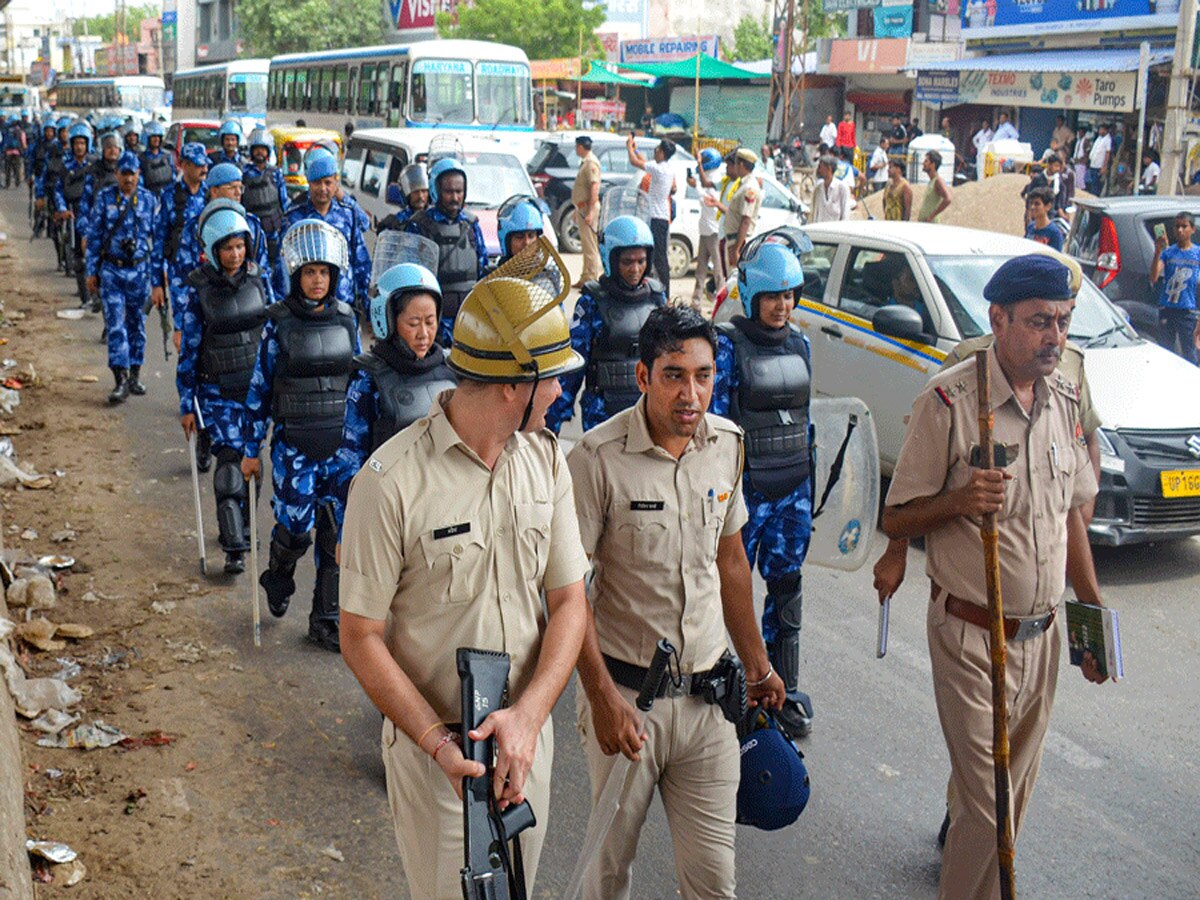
{"x":164,"y":324}
{"x":490,"y":871}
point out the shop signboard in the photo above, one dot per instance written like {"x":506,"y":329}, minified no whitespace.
{"x":867,"y":55}
{"x":413,"y":18}
{"x":1005,"y":18}
{"x":848,"y":5}
{"x":1113,"y":92}
{"x":598,"y":109}
{"x":563,"y":69}
{"x":653,"y":50}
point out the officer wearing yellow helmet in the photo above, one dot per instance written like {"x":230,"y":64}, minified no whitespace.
{"x":453,"y":529}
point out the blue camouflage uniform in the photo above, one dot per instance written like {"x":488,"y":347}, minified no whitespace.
{"x":70,"y":165}
{"x":778,"y":531}
{"x":342,"y":216}
{"x":39,"y":164}
{"x":218,"y":156}
{"x":97,"y":179}
{"x":182,"y":259}
{"x":125,"y":250}
{"x":446,"y":331}
{"x":250,"y":170}
{"x":151,"y":155}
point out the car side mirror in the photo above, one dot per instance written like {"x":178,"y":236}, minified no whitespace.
{"x":899,"y":321}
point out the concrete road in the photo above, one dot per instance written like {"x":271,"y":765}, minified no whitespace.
{"x":1114,"y":814}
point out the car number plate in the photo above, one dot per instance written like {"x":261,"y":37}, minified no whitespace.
{"x":1181,"y":483}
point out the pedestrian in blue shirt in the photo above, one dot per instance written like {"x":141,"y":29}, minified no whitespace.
{"x":124,"y":266}
{"x":1040,"y":203}
{"x":305,"y":359}
{"x":1176,"y":269}
{"x":462,"y":253}
{"x":321,"y":170}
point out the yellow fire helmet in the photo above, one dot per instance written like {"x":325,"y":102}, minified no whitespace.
{"x":512,"y":328}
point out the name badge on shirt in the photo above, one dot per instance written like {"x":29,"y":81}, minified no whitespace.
{"x":451,"y":530}
{"x":646,"y":505}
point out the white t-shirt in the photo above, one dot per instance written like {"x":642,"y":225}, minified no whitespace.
{"x":708,"y":214}
{"x":1150,"y":174}
{"x":879,"y":158}
{"x":662,"y":177}
{"x":1101,"y":147}
{"x":828,"y":134}
{"x":1007,"y":131}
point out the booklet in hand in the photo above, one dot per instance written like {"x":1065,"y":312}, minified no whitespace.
{"x":1096,"y":629}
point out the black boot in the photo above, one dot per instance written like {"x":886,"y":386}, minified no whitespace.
{"x":203,"y":451}
{"x":135,"y":384}
{"x":120,"y":393}
{"x":277,"y":579}
{"x":323,"y":620}
{"x":235,"y":562}
{"x":797,"y":713}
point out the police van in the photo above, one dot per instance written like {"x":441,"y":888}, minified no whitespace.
{"x":883,"y":303}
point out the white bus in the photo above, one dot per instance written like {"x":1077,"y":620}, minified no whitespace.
{"x":235,"y":89}
{"x":442,"y":83}
{"x":17,"y":96}
{"x":139,"y":96}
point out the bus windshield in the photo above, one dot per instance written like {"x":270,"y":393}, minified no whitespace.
{"x":504,"y":97}
{"x":441,"y":92}
{"x":248,"y":93}
{"x":141,"y":96}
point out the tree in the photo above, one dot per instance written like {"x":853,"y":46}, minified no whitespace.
{"x":544,"y":30}
{"x":751,"y":40}
{"x":105,"y":26}
{"x":270,"y":27}
{"x":822,"y":24}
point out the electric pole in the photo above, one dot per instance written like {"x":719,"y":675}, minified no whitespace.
{"x":1179,"y":102}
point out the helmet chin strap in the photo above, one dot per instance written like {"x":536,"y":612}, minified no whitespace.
{"x":533,"y":393}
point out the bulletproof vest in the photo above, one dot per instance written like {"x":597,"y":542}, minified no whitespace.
{"x":261,"y":197}
{"x":73,"y":183}
{"x":40,"y":155}
{"x":312,"y":373}
{"x":103,"y":174}
{"x":156,"y":171}
{"x":403,"y":397}
{"x":458,"y":263}
{"x":771,"y":405}
{"x":615,"y":352}
{"x":56,"y":164}
{"x":233,"y":323}
{"x":179,"y":201}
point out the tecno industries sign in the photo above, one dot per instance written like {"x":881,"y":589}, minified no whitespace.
{"x":1114,"y":92}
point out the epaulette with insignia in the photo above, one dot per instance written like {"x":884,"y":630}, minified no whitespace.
{"x":948,"y":393}
{"x":1065,"y":385}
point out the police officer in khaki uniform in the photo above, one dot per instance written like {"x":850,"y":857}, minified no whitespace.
{"x":658,"y":488}
{"x":937,"y":493}
{"x":452,"y":528}
{"x":742,"y":210}
{"x":585,"y":194}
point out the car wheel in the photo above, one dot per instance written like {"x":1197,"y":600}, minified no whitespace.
{"x":568,"y":230}
{"x":679,"y":256}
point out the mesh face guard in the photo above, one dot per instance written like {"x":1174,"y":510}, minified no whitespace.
{"x":313,"y":241}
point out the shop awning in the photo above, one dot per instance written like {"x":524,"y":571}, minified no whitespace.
{"x":599,"y":74}
{"x":711,"y":69}
{"x":1110,"y":60}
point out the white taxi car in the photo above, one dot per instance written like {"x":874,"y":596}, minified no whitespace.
{"x":883,"y":302}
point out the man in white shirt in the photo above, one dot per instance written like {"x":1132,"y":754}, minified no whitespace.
{"x":878,"y":166}
{"x":1098,"y":160}
{"x":831,"y":199}
{"x":1005,"y":130}
{"x":1150,"y":172}
{"x":829,"y":132}
{"x":982,"y":138}
{"x":662,"y":185}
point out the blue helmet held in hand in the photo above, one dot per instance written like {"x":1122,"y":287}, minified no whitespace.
{"x":774,"y":787}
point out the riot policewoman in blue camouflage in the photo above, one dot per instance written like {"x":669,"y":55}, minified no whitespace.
{"x":399,"y":378}
{"x":224,"y":183}
{"x":124,"y":265}
{"x":321,"y":170}
{"x":305,"y":360}
{"x":604,"y":330}
{"x":221,"y":331}
{"x":762,"y":382}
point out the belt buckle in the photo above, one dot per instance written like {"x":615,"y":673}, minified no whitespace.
{"x":675,"y":689}
{"x":1030,"y":628}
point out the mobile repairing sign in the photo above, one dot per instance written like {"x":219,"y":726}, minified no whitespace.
{"x":653,"y":50}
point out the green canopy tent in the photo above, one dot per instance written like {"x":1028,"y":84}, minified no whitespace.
{"x":600,"y":74}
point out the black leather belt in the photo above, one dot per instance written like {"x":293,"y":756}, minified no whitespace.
{"x":630,"y":676}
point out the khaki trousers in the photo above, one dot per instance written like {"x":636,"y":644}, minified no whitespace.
{"x":692,"y":758}
{"x":708,"y":252}
{"x":428,"y":816}
{"x":962,"y":686}
{"x":591,"y":247}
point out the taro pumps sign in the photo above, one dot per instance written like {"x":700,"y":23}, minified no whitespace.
{"x":1114,"y":92}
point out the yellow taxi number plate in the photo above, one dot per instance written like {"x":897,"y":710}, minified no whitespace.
{"x":1181,"y":483}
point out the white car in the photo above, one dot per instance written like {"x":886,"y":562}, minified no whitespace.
{"x":865,"y":344}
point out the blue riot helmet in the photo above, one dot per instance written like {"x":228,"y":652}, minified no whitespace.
{"x":770,"y":268}
{"x":313,"y":241}
{"x":218,"y":224}
{"x":154,"y":128}
{"x":620,"y":233}
{"x":442,"y":167}
{"x":230,"y":126}
{"x":516,"y":216}
{"x":260,"y":137}
{"x":80,"y":130}
{"x":710,"y":159}
{"x":774,"y":786}
{"x":393,"y":286}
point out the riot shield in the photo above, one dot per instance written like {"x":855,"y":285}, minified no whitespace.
{"x":395,"y":247}
{"x":846,"y":456}
{"x":626,"y":199}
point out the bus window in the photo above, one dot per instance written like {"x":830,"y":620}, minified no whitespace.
{"x":441,"y":91}
{"x":366,"y":90}
{"x":395,"y":95}
{"x":340,"y":100}
{"x":503,"y":92}
{"x":381,"y":92}
{"x":318,"y":88}
{"x":289,"y":90}
{"x":303,"y":88}
{"x":352,"y":90}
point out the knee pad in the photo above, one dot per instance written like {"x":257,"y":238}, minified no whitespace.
{"x":228,"y":483}
{"x":286,"y":547}
{"x":789,"y":600}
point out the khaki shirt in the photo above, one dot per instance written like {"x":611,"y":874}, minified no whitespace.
{"x":588,"y":177}
{"x":1051,"y":475}
{"x":651,"y":524}
{"x":744,"y":202}
{"x":453,"y":554}
{"x":1071,"y":365}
